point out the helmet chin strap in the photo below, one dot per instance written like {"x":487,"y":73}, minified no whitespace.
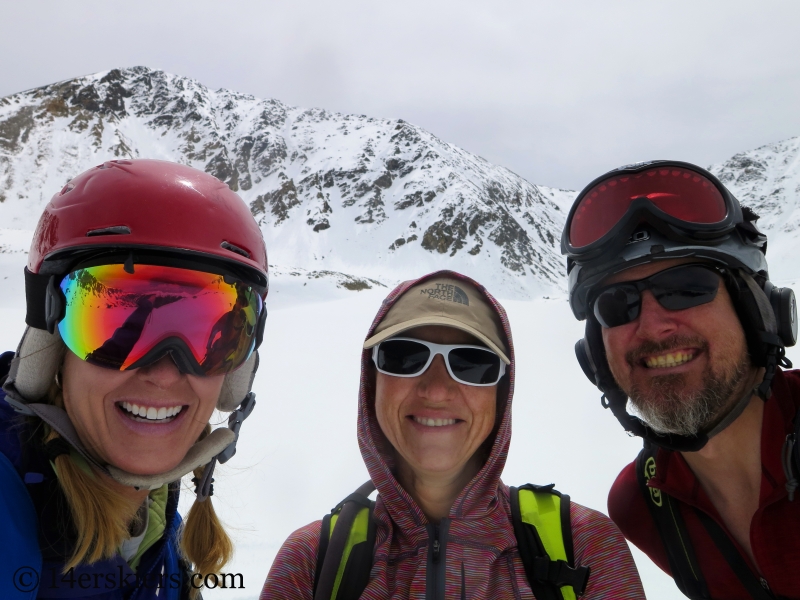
{"x":617,"y":401}
{"x":219,"y":445}
{"x":738,"y":408}
{"x":37,"y":360}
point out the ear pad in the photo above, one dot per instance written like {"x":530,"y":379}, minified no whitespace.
{"x":584,"y":360}
{"x":785,"y":308}
{"x":750,"y":316}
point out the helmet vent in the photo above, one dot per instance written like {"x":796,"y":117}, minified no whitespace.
{"x":67,"y":188}
{"x":116,"y":230}
{"x":236,"y":249}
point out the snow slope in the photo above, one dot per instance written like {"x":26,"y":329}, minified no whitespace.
{"x":335,"y":195}
{"x":298,"y":456}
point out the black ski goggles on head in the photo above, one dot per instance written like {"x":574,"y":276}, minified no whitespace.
{"x":687,"y":198}
{"x":408,"y":357}
{"x":677,"y":288}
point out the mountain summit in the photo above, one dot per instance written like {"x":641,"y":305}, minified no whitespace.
{"x":380,"y":198}
{"x":345,"y":198}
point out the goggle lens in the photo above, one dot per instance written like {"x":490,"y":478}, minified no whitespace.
{"x":678,"y":288}
{"x":466,"y":364}
{"x":680,"y":193}
{"x":114,"y":318}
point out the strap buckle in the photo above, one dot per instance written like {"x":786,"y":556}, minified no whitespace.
{"x":559,"y":573}
{"x":17,"y":405}
{"x":235,"y":423}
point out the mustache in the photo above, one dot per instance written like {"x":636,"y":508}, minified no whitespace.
{"x":649,"y":347}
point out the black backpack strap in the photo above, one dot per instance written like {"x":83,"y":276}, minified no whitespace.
{"x":322,"y":549}
{"x":333,"y":546}
{"x":790,"y":458}
{"x":671,"y":528}
{"x":749,"y":581}
{"x":547,"y":575}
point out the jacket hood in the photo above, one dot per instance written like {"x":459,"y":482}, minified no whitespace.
{"x":480,"y":496}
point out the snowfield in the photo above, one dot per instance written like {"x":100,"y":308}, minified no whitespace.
{"x":298,"y":456}
{"x":350,"y":205}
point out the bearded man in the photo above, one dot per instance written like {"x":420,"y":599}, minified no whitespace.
{"x":670,"y":273}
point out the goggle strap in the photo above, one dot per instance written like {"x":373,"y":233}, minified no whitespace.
{"x":36,"y":299}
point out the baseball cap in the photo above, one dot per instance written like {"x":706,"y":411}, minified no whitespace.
{"x":448,"y":302}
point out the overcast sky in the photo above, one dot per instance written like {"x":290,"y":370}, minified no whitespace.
{"x":557,"y":91}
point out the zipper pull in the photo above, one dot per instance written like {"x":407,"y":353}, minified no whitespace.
{"x":435,"y":550}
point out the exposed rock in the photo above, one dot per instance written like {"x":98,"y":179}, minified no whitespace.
{"x":388,"y":183}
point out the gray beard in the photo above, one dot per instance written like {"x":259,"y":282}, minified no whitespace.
{"x":669,"y":408}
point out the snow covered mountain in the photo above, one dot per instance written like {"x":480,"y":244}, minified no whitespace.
{"x":347,"y":199}
{"x":768,"y":180}
{"x":333,"y":193}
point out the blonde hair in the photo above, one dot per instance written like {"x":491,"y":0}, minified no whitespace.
{"x":102,"y":515}
{"x":204,"y":540}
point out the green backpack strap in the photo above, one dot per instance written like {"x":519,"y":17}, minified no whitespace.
{"x":347,"y":541}
{"x":541,"y":519}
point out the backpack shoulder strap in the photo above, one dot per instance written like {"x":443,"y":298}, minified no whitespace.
{"x":671,"y":528}
{"x":790,"y":457}
{"x":746,"y":577}
{"x":347,"y":541}
{"x":542,"y":525}
{"x":20,"y":557}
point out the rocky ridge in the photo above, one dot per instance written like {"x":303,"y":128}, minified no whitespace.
{"x":379,"y":198}
{"x":346,"y":198}
{"x":768,"y":180}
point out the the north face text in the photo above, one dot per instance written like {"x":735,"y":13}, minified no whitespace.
{"x":447,"y":291}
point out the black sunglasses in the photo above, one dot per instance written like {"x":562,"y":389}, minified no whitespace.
{"x":467,"y":364}
{"x":678,"y":288}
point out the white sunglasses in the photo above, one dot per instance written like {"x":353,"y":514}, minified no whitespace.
{"x":408,"y":357}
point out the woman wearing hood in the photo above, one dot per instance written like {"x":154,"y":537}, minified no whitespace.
{"x":434,"y":427}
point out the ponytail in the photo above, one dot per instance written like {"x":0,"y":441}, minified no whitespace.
{"x":204,"y":540}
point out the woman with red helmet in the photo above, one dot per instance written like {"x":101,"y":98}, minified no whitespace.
{"x":145,"y":288}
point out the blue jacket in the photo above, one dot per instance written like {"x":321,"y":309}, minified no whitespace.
{"x":37,"y":533}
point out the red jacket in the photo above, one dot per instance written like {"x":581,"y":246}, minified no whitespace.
{"x":775,"y":528}
{"x":478,"y":540}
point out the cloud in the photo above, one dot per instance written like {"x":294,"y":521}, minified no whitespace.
{"x":557,"y":92}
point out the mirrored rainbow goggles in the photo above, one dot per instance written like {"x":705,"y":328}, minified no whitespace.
{"x":209,"y":323}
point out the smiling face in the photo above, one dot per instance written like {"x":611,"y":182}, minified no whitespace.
{"x":682,"y":369}
{"x":142,"y":421}
{"x":435,"y":424}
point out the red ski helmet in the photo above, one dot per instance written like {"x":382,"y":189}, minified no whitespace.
{"x":145,"y":204}
{"x":144,"y":209}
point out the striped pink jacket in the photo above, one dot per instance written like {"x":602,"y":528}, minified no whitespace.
{"x":478,"y":557}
